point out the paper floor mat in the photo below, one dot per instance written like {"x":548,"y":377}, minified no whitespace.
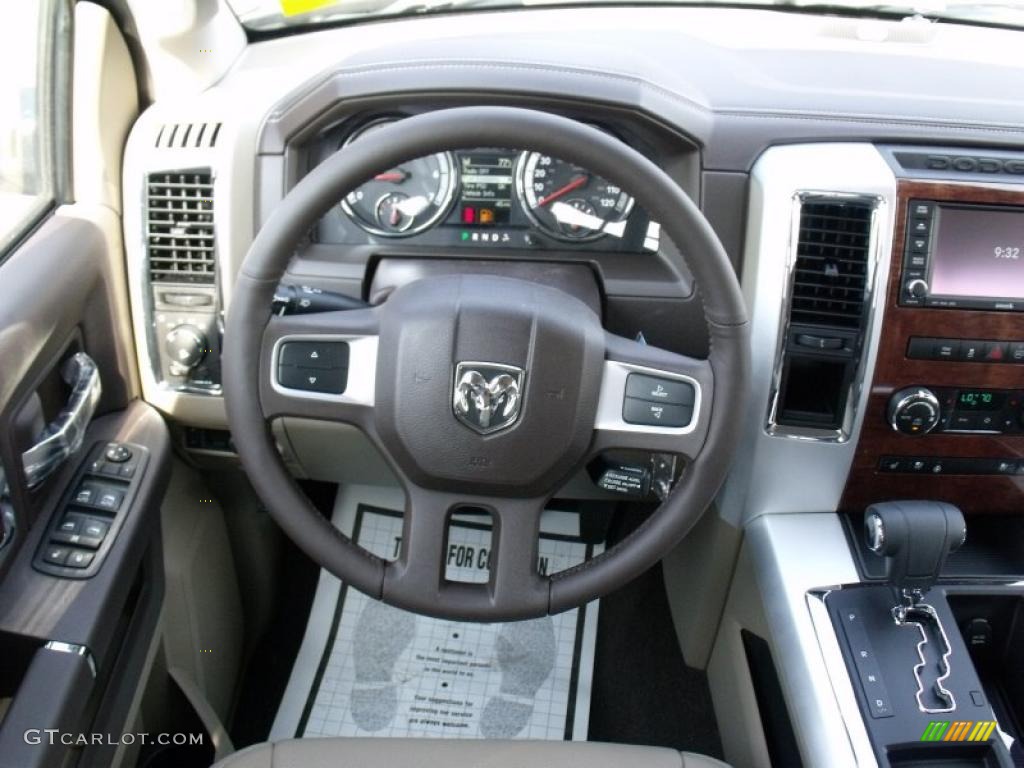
{"x":367,"y":669}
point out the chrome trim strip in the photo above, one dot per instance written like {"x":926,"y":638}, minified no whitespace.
{"x":613,"y":394}
{"x":790,"y":473}
{"x":902,"y":618}
{"x":362,"y":362}
{"x":875,"y":253}
{"x":795,"y":557}
{"x":75,"y":649}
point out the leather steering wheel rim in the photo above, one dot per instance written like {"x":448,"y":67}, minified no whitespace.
{"x":246,"y":363}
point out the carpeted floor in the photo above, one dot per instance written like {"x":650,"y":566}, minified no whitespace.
{"x":643,"y":691}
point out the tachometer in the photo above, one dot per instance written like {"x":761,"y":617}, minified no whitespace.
{"x":567,"y":201}
{"x":406,"y":200}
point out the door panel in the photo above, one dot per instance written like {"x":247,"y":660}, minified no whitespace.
{"x":81,"y":584}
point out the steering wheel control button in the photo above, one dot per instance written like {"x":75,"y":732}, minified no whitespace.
{"x":658,"y":390}
{"x":314,"y":354}
{"x":324,"y":380}
{"x":649,"y":414}
{"x":314,"y":366}
{"x":117,"y":453}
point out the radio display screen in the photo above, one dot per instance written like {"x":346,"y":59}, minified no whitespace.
{"x":978,"y":252}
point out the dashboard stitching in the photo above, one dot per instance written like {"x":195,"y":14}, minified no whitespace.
{"x":868,"y":119}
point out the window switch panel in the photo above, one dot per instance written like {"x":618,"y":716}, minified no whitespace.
{"x":84,"y":527}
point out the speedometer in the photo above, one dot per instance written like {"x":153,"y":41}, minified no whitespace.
{"x":405,"y":200}
{"x":567,"y":201}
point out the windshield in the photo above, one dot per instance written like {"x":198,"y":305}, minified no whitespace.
{"x":266,"y":15}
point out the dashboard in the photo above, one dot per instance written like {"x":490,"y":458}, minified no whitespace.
{"x":743,"y":110}
{"x":493,"y":197}
{"x":866,"y":183}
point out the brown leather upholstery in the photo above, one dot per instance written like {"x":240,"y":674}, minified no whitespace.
{"x":453,"y":753}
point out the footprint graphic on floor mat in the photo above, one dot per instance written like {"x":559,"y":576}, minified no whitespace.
{"x":382,"y":634}
{"x":526,"y":655}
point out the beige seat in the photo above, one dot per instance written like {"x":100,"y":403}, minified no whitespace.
{"x":454,"y":753}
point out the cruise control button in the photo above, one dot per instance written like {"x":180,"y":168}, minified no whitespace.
{"x":325,"y":380}
{"x":315,"y":354}
{"x":646,"y":413}
{"x":659,"y":390}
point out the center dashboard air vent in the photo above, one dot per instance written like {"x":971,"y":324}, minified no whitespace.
{"x":825,"y":320}
{"x":831,"y":264}
{"x":179,"y":226}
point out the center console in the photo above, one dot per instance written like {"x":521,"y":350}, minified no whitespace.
{"x":945,"y":415}
{"x":925,"y":640}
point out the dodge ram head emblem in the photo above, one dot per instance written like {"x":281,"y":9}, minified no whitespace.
{"x":487,"y":395}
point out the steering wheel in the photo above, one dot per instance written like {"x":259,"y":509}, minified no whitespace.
{"x":443,"y":355}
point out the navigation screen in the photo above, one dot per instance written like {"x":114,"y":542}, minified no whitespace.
{"x":978,"y":252}
{"x":487,"y":187}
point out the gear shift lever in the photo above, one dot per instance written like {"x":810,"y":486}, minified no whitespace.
{"x":916,"y":537}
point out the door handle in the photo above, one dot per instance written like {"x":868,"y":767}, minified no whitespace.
{"x":64,"y":435}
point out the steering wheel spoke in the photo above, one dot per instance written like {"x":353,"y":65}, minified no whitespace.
{"x":652,"y":399}
{"x":418,"y":577}
{"x":320,"y":366}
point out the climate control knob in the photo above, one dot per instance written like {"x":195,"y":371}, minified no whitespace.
{"x":914,"y":411}
{"x":185,"y":345}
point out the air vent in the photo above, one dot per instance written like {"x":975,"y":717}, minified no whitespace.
{"x":179,"y":226}
{"x":187,"y":135}
{"x":831,"y":263}
{"x":820,"y":356}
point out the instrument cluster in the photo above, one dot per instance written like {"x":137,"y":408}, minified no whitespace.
{"x":489,"y":196}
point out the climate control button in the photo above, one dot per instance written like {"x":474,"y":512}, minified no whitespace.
{"x":914,"y":411}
